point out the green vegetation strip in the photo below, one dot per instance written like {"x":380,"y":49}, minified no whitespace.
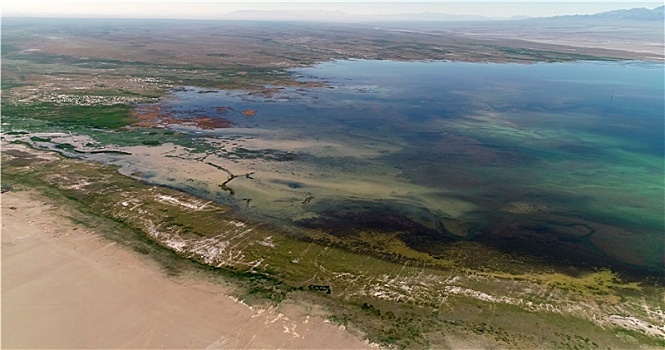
{"x":103,"y":117}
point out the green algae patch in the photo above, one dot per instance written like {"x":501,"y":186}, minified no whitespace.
{"x":390,"y":246}
{"x":151,"y":143}
{"x":40,"y":139}
{"x":602,"y":282}
{"x":65,"y":146}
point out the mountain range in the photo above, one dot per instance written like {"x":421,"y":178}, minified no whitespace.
{"x":635,"y":14}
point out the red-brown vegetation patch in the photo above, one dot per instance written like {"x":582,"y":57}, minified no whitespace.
{"x":224,"y":109}
{"x":211,"y":123}
{"x":152,"y":116}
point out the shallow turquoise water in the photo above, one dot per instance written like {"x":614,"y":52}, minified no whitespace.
{"x":560,"y":160}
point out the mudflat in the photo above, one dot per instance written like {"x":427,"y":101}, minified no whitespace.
{"x":63,"y":286}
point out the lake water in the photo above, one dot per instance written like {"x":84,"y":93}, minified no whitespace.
{"x":559,"y":160}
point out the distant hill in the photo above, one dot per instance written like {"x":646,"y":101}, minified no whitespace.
{"x":634,"y":14}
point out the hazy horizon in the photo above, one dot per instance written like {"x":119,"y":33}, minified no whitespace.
{"x":223,"y":9}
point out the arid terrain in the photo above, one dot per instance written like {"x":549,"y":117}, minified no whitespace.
{"x":111,"y":211}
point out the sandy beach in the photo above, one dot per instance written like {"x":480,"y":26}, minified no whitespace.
{"x":64,"y":286}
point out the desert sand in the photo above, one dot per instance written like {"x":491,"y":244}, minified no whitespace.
{"x":64,"y":286}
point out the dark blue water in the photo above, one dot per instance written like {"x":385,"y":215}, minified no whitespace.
{"x":563,"y":160}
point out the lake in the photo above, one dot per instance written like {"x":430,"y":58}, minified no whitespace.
{"x":562,"y":161}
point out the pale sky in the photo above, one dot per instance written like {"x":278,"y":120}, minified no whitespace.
{"x":216,"y":9}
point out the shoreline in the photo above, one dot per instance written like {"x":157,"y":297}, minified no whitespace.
{"x":65,"y":286}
